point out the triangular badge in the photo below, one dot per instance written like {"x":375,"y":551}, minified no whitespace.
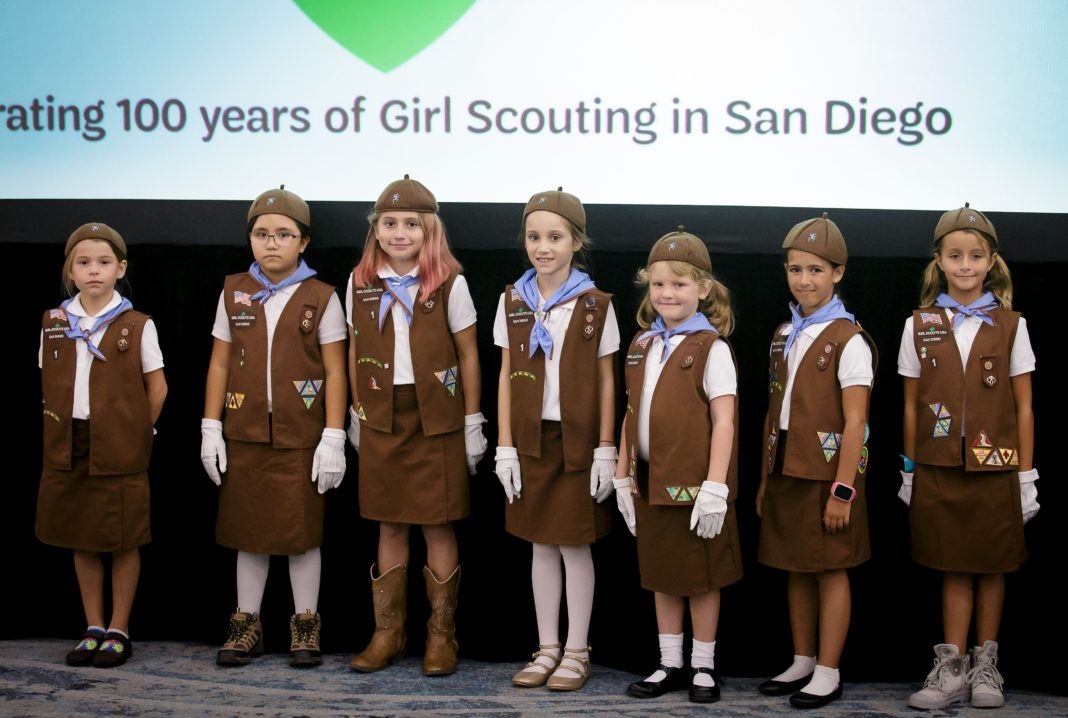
{"x":983,"y":440}
{"x":673,"y":491}
{"x":995,"y":459}
{"x":981,"y":454}
{"x":308,"y":389}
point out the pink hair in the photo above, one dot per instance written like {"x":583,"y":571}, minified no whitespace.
{"x":436,"y":262}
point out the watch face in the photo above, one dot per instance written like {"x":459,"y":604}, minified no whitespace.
{"x":843,"y":492}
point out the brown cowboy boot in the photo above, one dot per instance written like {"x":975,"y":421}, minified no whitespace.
{"x":390,"y":593}
{"x":441,"y":646}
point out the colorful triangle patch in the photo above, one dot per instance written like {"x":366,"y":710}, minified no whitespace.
{"x":829,"y":455}
{"x":1015,"y":460}
{"x":359,"y":413}
{"x":673,"y":491}
{"x":935,"y":408}
{"x":1006,"y":455}
{"x":983,"y":440}
{"x":308,"y":390}
{"x":994,"y":459}
{"x":448,"y":379}
{"x":981,"y":454}
{"x":234,"y":400}
{"x":941,"y":427}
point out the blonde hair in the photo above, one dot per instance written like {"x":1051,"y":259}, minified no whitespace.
{"x":716,"y":306}
{"x":436,"y":262}
{"x":998,"y":280}
{"x":68,"y":264}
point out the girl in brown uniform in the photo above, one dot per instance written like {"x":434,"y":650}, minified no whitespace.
{"x":677,"y":466}
{"x":967,"y":362}
{"x":103,"y":386}
{"x":278,"y":370}
{"x":415,"y":420}
{"x":811,"y":496}
{"x":556,"y":454}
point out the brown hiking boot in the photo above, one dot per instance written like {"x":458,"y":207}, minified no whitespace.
{"x":244,"y":639}
{"x":441,"y":646}
{"x":304,"y":640}
{"x":390,"y":593}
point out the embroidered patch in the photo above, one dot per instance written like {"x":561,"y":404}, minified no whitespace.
{"x":360,"y":414}
{"x":448,"y":379}
{"x":590,"y":302}
{"x":372,"y":384}
{"x":371,"y":360}
{"x":52,"y":414}
{"x":830,"y":442}
{"x":981,"y":454}
{"x":515,"y":295}
{"x":243,"y":298}
{"x":234,"y":400}
{"x":982,"y":440}
{"x":308,"y":390}
{"x":643,"y":343}
{"x":863,"y":463}
{"x":526,"y":374}
{"x":57,"y":314}
{"x":683,"y":494}
{"x":930,"y":318}
{"x":941,"y":428}
{"x":994,"y":459}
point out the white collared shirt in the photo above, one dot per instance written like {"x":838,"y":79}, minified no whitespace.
{"x":1021,"y":357}
{"x":331,"y":327}
{"x":720,"y":379}
{"x":461,"y":315}
{"x":151,"y":356}
{"x":854,"y":365}
{"x":556,"y":322}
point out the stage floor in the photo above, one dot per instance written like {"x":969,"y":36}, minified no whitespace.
{"x":181,"y":679}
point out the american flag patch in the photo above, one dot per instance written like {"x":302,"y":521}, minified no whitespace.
{"x":515,"y":296}
{"x":930,"y":318}
{"x":243,"y":298}
{"x":57,"y":314}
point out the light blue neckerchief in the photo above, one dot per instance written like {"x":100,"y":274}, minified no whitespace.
{"x":397,"y":289}
{"x":101,"y":322}
{"x":577,"y":282}
{"x":302,"y":272}
{"x":828,"y":312}
{"x":978,"y":308}
{"x":697,"y":323}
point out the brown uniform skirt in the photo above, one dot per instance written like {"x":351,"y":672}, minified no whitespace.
{"x":967,"y":522}
{"x":407,"y":477}
{"x":267,"y":501}
{"x":791,"y":530}
{"x":91,"y":513}
{"x":555,"y":506}
{"x":673,"y":559}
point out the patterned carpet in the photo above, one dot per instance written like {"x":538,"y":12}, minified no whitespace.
{"x":179,"y":679}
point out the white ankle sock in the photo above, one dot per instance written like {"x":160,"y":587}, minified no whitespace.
{"x":670,"y":654}
{"x":124,"y":634}
{"x":251,"y":578}
{"x":824,"y":681}
{"x":304,"y":572}
{"x":800,"y":668}
{"x":703,"y":656}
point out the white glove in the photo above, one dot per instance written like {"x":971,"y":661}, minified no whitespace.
{"x":507,"y":469}
{"x":625,"y":503}
{"x":475,"y":443}
{"x":602,"y":472}
{"x":1029,"y":494}
{"x":328,"y":466}
{"x":710,"y":509}
{"x":212,"y":449}
{"x":353,"y":431}
{"x":905,"y":492}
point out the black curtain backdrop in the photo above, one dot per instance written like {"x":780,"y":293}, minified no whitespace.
{"x":179,"y":254}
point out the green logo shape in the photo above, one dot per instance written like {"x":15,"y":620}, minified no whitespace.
{"x":384,"y":34}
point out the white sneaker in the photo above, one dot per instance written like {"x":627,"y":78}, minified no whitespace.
{"x":946,"y":683}
{"x":984,"y":678}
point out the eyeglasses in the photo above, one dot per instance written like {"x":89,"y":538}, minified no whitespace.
{"x":282,"y":238}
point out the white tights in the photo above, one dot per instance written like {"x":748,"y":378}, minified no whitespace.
{"x":304,"y":572}
{"x":547,"y":581}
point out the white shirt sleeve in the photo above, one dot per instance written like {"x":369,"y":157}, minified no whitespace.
{"x":151,"y":355}
{"x":721,"y":376}
{"x":854,"y":368}
{"x":500,"y":325}
{"x":461,"y":307}
{"x":610,"y":336}
{"x":332,"y":326}
{"x":908,"y":364}
{"x":1022,"y":358}
{"x":221,"y":330}
{"x":348,"y":299}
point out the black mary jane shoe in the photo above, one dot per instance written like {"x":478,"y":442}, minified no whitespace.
{"x":704,"y":694}
{"x":82,"y":654}
{"x":772,"y":687}
{"x":807,"y":700}
{"x":114,"y":651}
{"x":675,"y":680}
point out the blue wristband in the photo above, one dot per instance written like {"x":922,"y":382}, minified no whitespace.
{"x":910,"y":465}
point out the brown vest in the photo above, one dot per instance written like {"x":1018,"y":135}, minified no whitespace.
{"x":973,"y":401}
{"x":298,"y":399}
{"x":121,"y":430}
{"x":816,"y":418}
{"x":438,"y":388}
{"x":680,"y":422}
{"x":579,"y":378}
